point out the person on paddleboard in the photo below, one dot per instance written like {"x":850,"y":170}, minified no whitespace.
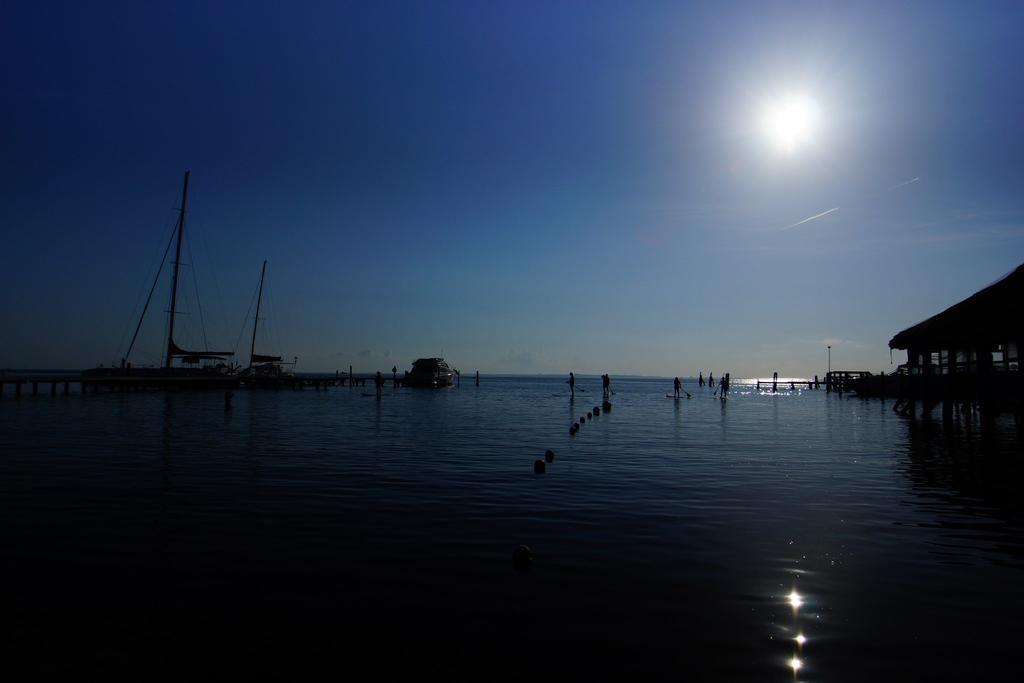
{"x":606,"y":385}
{"x":676,"y":385}
{"x":572,"y":385}
{"x":711,"y":380}
{"x":379,"y":382}
{"x":700,"y":378}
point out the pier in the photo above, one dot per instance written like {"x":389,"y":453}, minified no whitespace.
{"x":844,"y":381}
{"x":139,"y":380}
{"x":62,"y":384}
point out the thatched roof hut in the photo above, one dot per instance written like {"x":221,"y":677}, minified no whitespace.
{"x":983,"y":331}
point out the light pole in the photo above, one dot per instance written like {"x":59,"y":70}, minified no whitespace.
{"x":828,"y":376}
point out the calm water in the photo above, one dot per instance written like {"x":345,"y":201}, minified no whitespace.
{"x":146,"y":532}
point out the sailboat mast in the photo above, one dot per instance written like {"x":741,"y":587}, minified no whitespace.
{"x":177,"y":265}
{"x":256,"y":323}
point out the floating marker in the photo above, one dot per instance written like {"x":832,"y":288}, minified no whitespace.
{"x":522,"y":557}
{"x":583,"y":419}
{"x":538,"y":466}
{"x":549,"y":455}
{"x":597,"y":410}
{"x":590,"y":414}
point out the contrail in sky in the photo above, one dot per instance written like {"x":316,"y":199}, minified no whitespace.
{"x":906,"y":182}
{"x":814,"y":217}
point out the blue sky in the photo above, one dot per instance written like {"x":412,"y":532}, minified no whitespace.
{"x":523,"y":187}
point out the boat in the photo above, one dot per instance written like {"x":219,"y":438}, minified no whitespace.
{"x":265,"y":369}
{"x":430,"y":372}
{"x":209,"y":364}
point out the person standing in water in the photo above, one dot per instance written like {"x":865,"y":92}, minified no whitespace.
{"x":572,"y":385}
{"x":676,"y":386}
{"x":606,"y":385}
{"x":379,"y":381}
{"x":394,"y":376}
{"x":725,"y":385}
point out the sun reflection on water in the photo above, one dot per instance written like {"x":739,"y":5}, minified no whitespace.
{"x":796,"y":662}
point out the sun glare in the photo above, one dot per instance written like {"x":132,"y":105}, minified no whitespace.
{"x":791,"y":123}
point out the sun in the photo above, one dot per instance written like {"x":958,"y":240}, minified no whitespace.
{"x":791,"y":123}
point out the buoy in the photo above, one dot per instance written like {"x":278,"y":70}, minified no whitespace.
{"x":576,"y":425}
{"x":590,"y":414}
{"x":572,"y":429}
{"x":549,"y":455}
{"x":607,"y":406}
{"x":522,"y":557}
{"x":583,"y":419}
{"x":538,"y":466}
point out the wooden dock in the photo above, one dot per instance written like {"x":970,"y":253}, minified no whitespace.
{"x":94,"y":384}
{"x":64,"y":384}
{"x":844,"y":381}
{"x":792,"y":384}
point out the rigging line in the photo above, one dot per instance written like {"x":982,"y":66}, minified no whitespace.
{"x":268,"y":328}
{"x":171,"y":220}
{"x":166,"y":320}
{"x":272,"y":330}
{"x":172,"y":292}
{"x":150,"y":297}
{"x":138,"y":298}
{"x":134,"y":309}
{"x":221,"y":309}
{"x":195,"y":285}
{"x":242,"y":331}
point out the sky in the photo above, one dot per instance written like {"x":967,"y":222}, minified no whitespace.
{"x":520,"y":187}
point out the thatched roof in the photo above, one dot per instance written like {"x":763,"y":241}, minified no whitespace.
{"x":995,"y":314}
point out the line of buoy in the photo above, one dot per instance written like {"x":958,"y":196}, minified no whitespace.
{"x":540,"y":466}
{"x":591,"y":414}
{"x":522,"y":556}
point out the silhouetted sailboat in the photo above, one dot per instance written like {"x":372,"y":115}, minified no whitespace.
{"x":190,"y":359}
{"x":262,"y":367}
